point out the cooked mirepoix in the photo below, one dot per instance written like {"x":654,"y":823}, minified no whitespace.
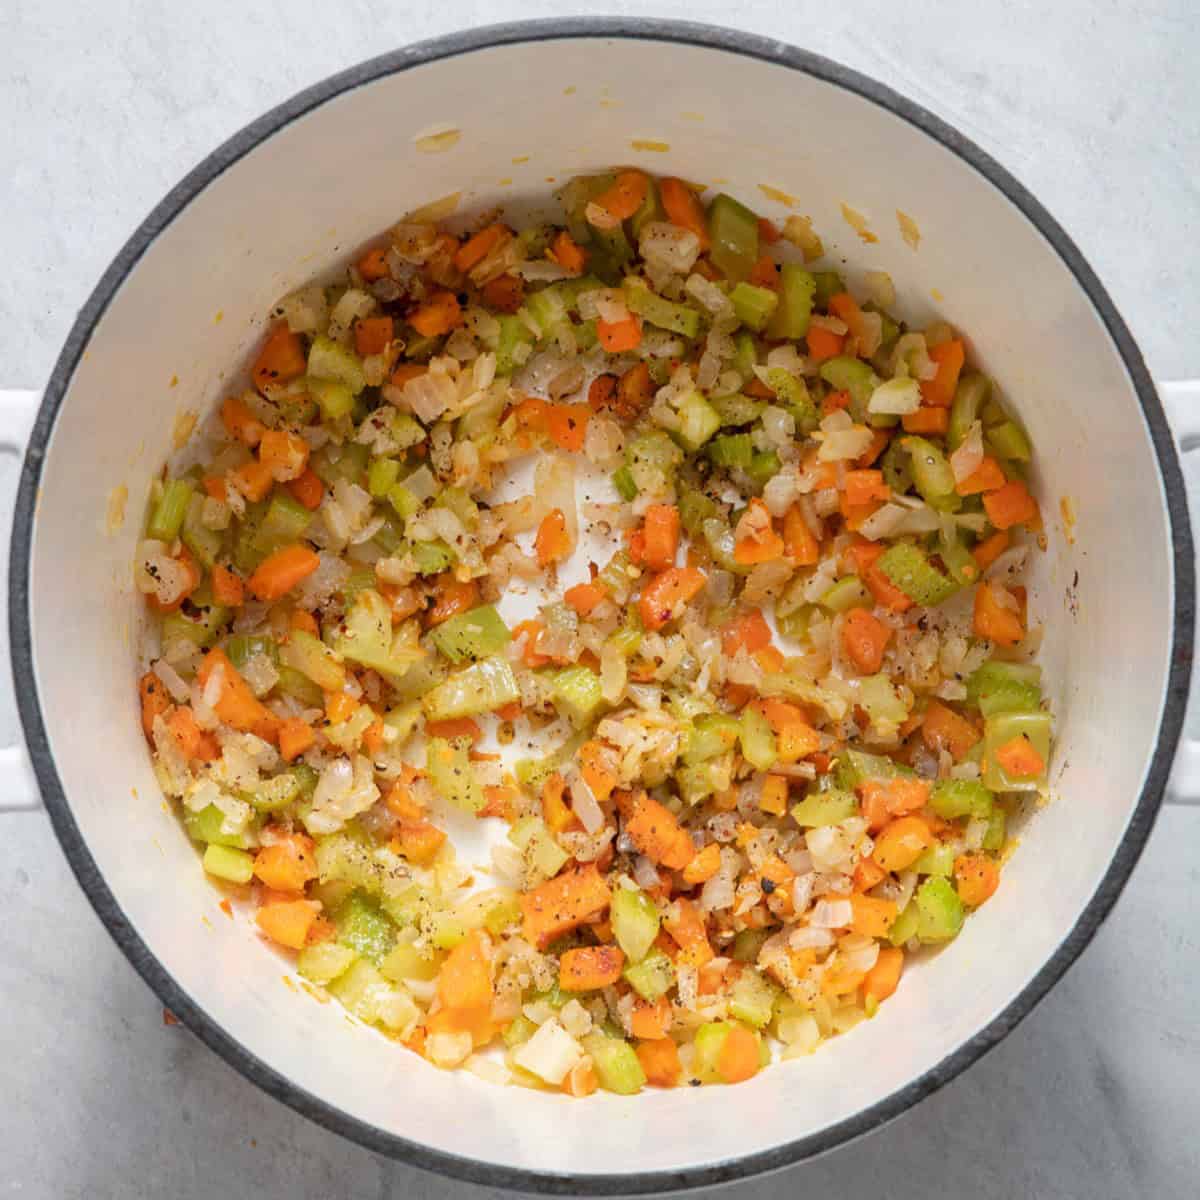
{"x":689,"y":571}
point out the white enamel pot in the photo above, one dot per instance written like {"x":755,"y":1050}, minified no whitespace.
{"x":185,"y":301}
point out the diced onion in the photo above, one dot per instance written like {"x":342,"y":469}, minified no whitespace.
{"x":895,"y":397}
{"x":965,"y":461}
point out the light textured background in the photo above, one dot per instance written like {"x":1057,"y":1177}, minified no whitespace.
{"x":1094,"y":105}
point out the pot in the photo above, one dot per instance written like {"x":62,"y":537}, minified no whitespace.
{"x":493,"y":114}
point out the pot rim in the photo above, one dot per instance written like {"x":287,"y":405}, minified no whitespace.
{"x":242,"y":1058}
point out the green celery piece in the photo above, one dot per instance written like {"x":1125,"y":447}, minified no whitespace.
{"x":737,"y":409}
{"x":877,"y":696}
{"x":348,"y":462}
{"x":202,"y":631}
{"x":910,"y":569}
{"x":167,"y":519}
{"x":733,"y":229}
{"x":855,"y":766}
{"x":695,"y":782}
{"x":795,"y":625}
{"x":617,"y":1067}
{"x":905,"y":925}
{"x":626,"y":640}
{"x":432,"y":558}
{"x":481,"y":422}
{"x":753,"y":306}
{"x":792,"y":394}
{"x":408,"y":961}
{"x":323,"y":963}
{"x":653,"y":459}
{"x":970,"y":396}
{"x":623,"y":482}
{"x":548,"y":309}
{"x":576,"y":694}
{"x":1002,"y":728}
{"x":475,"y":634}
{"x":360,"y":579}
{"x":299,"y":687}
{"x":205,"y":826}
{"x":753,"y":999}
{"x":764,"y":466}
{"x":206,"y":544}
{"x":698,"y":421}
{"x":409,"y":432}
{"x":758,"y":740}
{"x":241,"y":648}
{"x":335,"y":399}
{"x":502,"y":915}
{"x":635,"y":922}
{"x":1009,"y":441}
{"x":846,"y":374}
{"x":452,"y":775}
{"x":650,"y":209}
{"x":720,"y":541}
{"x":710,"y":736}
{"x":382,"y":475}
{"x":538,"y":848}
{"x":825,"y":808}
{"x":519,"y":1031}
{"x":960,"y":564}
{"x":849,"y":592}
{"x":224,"y":862}
{"x":734,"y":450}
{"x":694,"y":509}
{"x":940,"y":911}
{"x":611,"y":254}
{"x":532,"y":773}
{"x":747,"y":944}
{"x":276,"y":793}
{"x":329,"y":360}
{"x":365,"y":636}
{"x":930,"y":469}
{"x":745,"y":355}
{"x":403,"y":721}
{"x":482,"y":687}
{"x":403,"y":501}
{"x":311,"y":657}
{"x":796,"y":290}
{"x":709,"y":1039}
{"x":954,"y":798}
{"x":1000,"y":687}
{"x":285,"y":522}
{"x":896,"y":465}
{"x":652,"y":977}
{"x":828,"y":285}
{"x":993,"y":840}
{"x":418,"y":347}
{"x":365,"y":928}
{"x":513,"y":333}
{"x":666,"y":314}
{"x":936,"y":860}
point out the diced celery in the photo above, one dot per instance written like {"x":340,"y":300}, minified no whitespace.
{"x":406,"y":960}
{"x":206,"y":826}
{"x":734,"y":232}
{"x":501,"y":915}
{"x":698,"y":421}
{"x":653,"y":459}
{"x":909,"y":568}
{"x":452,"y":774}
{"x":548,"y":309}
{"x":514,"y":333}
{"x":877,"y":695}
{"x":954,"y":798}
{"x":758,"y":740}
{"x":519,"y":1030}
{"x":710,"y":736}
{"x":365,"y":928}
{"x":403,"y":501}
{"x":471,"y":635}
{"x":745,"y":356}
{"x":796,"y":290}
{"x":329,"y":360}
{"x":931,"y":471}
{"x":937,"y":860}
{"x":825,"y":808}
{"x":227,"y":863}
{"x":737,"y":409}
{"x":896,"y":465}
{"x":650,"y":209}
{"x":299,"y":687}
{"x":167,"y":518}
{"x":432,"y":558}
{"x":792,"y":394}
{"x":364,"y":992}
{"x":1009,"y":441}
{"x":276,"y":793}
{"x":852,"y":375}
{"x":365,"y":636}
{"x":1001,"y":729}
{"x":382,"y":475}
{"x":324,"y":962}
{"x":753,"y":306}
{"x":611,"y":253}
{"x":694,"y":509}
{"x":849,"y":592}
{"x":709,"y":1040}
{"x":731,"y":450}
{"x":577,"y":694}
{"x":635,"y":922}
{"x":764,"y":466}
{"x":532,"y":773}
{"x":285,"y":521}
{"x":828,"y":284}
{"x":905,"y":925}
{"x":539,"y":851}
{"x":753,"y":999}
{"x":334,"y":398}
{"x":994,"y":838}
{"x":623,"y":482}
{"x":969,"y":398}
{"x":447,"y":930}
{"x":795,"y":624}
{"x":575,"y":196}
{"x":202,"y":630}
{"x":346,"y":858}
{"x":360,"y":579}
{"x":1000,"y":687}
{"x":696,"y":783}
{"x":653,"y":976}
{"x":616,"y":1065}
{"x":940,"y":911}
{"x":206,"y":544}
{"x":855,"y":766}
{"x":666,"y":314}
{"x":347,"y":461}
{"x":747,"y":944}
{"x":959,"y":563}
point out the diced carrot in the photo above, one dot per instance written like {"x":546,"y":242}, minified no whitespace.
{"x":567,"y":425}
{"x":654,"y":830}
{"x":227,"y":587}
{"x":738,"y":1057}
{"x":589,"y":968}
{"x":683,"y":208}
{"x":284,"y":454}
{"x":987,"y":477}
{"x":475,"y":249}
{"x":237,"y":705}
{"x":991,"y":548}
{"x":288,"y":863}
{"x":295,"y":737}
{"x":372,"y":334}
{"x":650,"y":1021}
{"x":769,"y":658}
{"x":882,"y":798}
{"x":602,"y":392}
{"x":856,"y":515}
{"x":280,"y":359}
{"x":340,"y":706}
{"x":287,"y":922}
{"x":864,"y":486}
{"x":901,"y":842}
{"x":659,"y":1058}
{"x":373,"y":265}
{"x":581,"y":1080}
{"x":976,"y":878}
{"x":451,"y":597}
{"x":756,"y":539}
{"x":504,"y":294}
{"x":880,"y":440}
{"x":704,"y":866}
{"x":465,"y":980}
{"x":305,"y":621}
{"x":215,"y":487}
{"x":254,"y":480}
{"x":618,"y":336}
{"x":1020,"y":759}
{"x":155,"y":701}
{"x":405,"y":372}
{"x":944,"y":729}
{"x":993,"y":620}
{"x":660,"y":526}
{"x":884,"y":977}
{"x":767,"y":231}
{"x":278,"y":573}
{"x":686,"y":927}
{"x":926,"y":420}
{"x":864,"y":638}
{"x":584,"y":597}
{"x":240,"y":422}
{"x":555,"y":811}
{"x":666,"y":591}
{"x":624,"y":196}
{"x":498,"y":800}
{"x":764,"y":273}
{"x":1010,"y":505}
{"x":552,"y":542}
{"x":948,"y":357}
{"x":634,"y":392}
{"x":563,"y":904}
{"x":372,"y":738}
{"x":439,"y":314}
{"x":418,"y":841}
{"x":594,"y":767}
{"x":799,"y":544}
{"x":192,"y":741}
{"x":864,"y":555}
{"x":454,"y":727}
{"x":307,"y":489}
{"x":748,"y":631}
{"x":867,"y":874}
{"x":568,"y":253}
{"x":872,"y":917}
{"x":846,"y":309}
{"x":835,"y":402}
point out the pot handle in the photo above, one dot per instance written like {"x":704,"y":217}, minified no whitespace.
{"x":1182,"y":402}
{"x":18,"y":787}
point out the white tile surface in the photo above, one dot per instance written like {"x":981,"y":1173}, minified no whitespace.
{"x":1094,"y":106}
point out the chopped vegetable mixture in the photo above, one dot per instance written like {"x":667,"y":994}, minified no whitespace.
{"x":739,"y":767}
